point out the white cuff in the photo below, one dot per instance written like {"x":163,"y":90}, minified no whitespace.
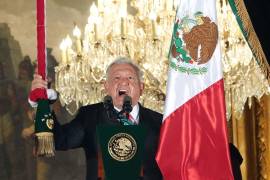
{"x":32,"y":103}
{"x":51,"y":93}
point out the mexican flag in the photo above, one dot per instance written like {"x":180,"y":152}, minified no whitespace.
{"x":193,"y":140}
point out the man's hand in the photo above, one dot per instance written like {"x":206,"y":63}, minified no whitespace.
{"x":38,"y":82}
{"x":36,"y":93}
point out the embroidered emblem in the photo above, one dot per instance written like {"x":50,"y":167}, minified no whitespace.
{"x":194,"y":42}
{"x":122,"y":147}
{"x":50,"y":123}
{"x":49,"y":120}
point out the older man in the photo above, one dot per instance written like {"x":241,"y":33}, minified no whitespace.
{"x":123,"y":78}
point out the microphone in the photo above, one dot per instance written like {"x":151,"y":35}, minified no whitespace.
{"x":126,"y":109}
{"x":108,"y":105}
{"x":127,"y":104}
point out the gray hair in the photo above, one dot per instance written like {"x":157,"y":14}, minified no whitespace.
{"x":125,"y":60}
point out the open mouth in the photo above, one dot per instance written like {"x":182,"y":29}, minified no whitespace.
{"x":122,"y":92}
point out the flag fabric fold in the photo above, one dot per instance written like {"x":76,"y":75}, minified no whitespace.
{"x":193,"y":139}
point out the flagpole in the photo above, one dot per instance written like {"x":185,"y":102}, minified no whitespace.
{"x":44,"y":119}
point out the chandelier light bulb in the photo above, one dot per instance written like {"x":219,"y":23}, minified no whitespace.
{"x":68,"y":41}
{"x":76,"y":32}
{"x":63,"y":45}
{"x":101,"y":5}
{"x":123,"y":8}
{"x":152,"y":15}
{"x":94,"y":10}
{"x":123,"y":12}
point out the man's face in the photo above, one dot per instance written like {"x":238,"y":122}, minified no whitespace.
{"x":123,"y":80}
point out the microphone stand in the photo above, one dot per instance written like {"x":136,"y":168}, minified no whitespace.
{"x":123,"y":115}
{"x":108,"y":105}
{"x":126,"y":109}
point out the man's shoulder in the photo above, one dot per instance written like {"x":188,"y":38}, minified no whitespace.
{"x":91,"y":107}
{"x":152,"y":116}
{"x":152,"y":112}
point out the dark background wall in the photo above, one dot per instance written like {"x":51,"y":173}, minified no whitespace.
{"x":259,"y":12}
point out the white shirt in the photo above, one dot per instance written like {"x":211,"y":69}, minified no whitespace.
{"x":134,"y":113}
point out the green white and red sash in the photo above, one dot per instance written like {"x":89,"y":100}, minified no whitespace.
{"x":44,"y":119}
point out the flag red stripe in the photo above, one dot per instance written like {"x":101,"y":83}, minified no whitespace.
{"x":193,"y":139}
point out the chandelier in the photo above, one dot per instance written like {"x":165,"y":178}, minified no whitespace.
{"x":110,"y":32}
{"x":243,"y":78}
{"x":144,"y":35}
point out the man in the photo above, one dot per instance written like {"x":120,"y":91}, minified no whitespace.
{"x":122,"y":78}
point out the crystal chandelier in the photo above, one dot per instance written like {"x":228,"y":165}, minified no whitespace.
{"x":243,"y":77}
{"x":111,"y":31}
{"x":144,"y":35}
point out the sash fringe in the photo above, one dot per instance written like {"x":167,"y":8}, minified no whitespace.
{"x":45,"y":144}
